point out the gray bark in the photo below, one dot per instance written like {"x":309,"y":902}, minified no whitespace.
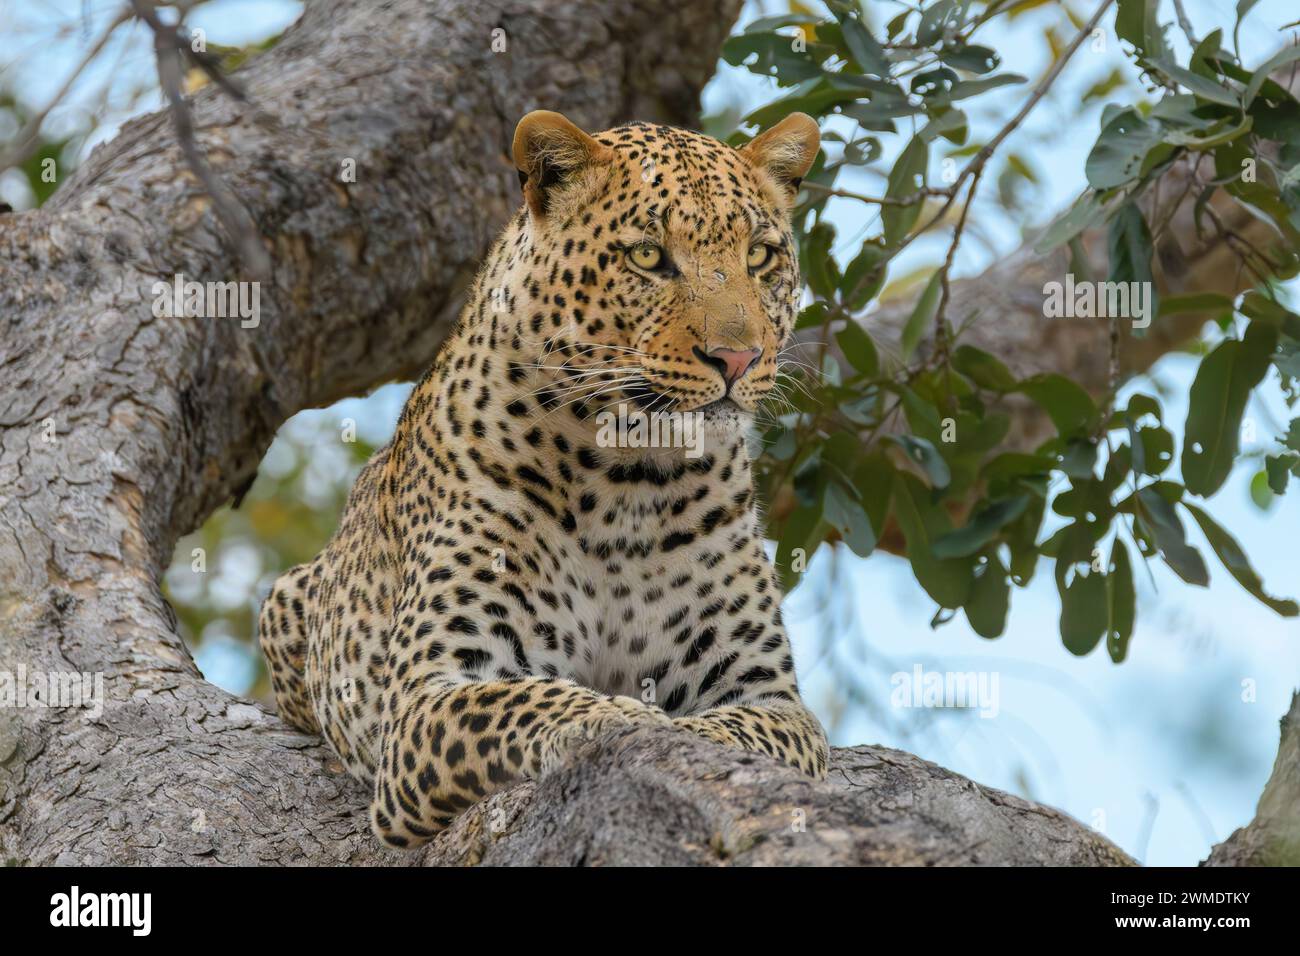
{"x":664,"y":798}
{"x":155,"y":422}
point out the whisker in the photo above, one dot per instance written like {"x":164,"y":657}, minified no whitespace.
{"x":591,"y":385}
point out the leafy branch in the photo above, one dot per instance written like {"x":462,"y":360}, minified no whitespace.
{"x":892,"y":436}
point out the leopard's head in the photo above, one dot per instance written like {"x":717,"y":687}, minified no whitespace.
{"x":661,"y":267}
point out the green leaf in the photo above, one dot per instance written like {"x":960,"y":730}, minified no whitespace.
{"x":1082,"y":215}
{"x":934,"y":19}
{"x":864,"y":275}
{"x":1218,"y":399}
{"x":1118,"y":464}
{"x":1178,"y":109}
{"x":862,"y":151}
{"x":922,"y":415}
{"x":866,"y":49}
{"x":774,"y":55}
{"x":983,"y":369}
{"x":844,"y":513}
{"x":1130,"y":255}
{"x":1136,"y":21}
{"x":1196,"y":303}
{"x":1021,"y":539}
{"x":1279,"y":469}
{"x":1153,"y":450}
{"x":1208,"y":49}
{"x":990,"y":595}
{"x":814,"y":316}
{"x":1070,"y":408}
{"x":874,"y":480}
{"x":880,"y":113}
{"x":1116,"y":158}
{"x":927,"y":456}
{"x":1260,"y":308}
{"x":1140,"y":404}
{"x":1080,"y":459}
{"x":1121,"y":602}
{"x":973,"y":59}
{"x":981,"y":528}
{"x":922,"y":317}
{"x":1088,"y":502}
{"x":1158,"y":518}
{"x":859,"y":349}
{"x":800,"y":532}
{"x":816,"y":262}
{"x":1238,"y":565}
{"x":965,"y":89}
{"x":1200,"y":86}
{"x":1224,"y":131}
{"x":815,"y":102}
{"x":1275,"y":62}
{"x":905,"y":180}
{"x":947,"y":581}
{"x":1261,"y":495}
{"x":934,"y":83}
{"x":1084,"y":612}
{"x":766,"y":24}
{"x":951,"y":125}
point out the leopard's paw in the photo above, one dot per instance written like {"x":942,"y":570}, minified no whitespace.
{"x":609,"y":715}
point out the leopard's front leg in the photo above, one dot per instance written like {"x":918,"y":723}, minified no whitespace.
{"x":455,"y":742}
{"x":782,"y":728}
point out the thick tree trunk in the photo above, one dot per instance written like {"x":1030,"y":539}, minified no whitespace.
{"x":120,"y":431}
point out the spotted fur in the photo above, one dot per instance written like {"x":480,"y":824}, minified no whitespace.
{"x":501,"y":587}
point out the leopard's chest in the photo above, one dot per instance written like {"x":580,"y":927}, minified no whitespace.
{"x":648,"y":611}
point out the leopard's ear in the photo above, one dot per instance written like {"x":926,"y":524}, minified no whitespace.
{"x":548,"y":152}
{"x":786,"y":151}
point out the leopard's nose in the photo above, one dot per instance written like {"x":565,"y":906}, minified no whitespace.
{"x":731,"y":364}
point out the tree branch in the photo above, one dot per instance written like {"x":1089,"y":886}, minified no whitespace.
{"x":1273,"y":837}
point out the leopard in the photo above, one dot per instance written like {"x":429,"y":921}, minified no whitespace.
{"x":504,"y":586}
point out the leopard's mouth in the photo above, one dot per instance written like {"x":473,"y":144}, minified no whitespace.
{"x":648,"y":398}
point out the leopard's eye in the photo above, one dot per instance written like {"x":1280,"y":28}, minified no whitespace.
{"x":759,"y":255}
{"x":646,"y":255}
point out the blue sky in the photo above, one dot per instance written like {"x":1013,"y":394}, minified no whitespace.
{"x":1161,"y":752}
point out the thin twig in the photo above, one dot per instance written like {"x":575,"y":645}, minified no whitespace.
{"x":28,"y":140}
{"x":168,"y":47}
{"x":910,"y":200}
{"x":940,"y":329}
{"x":1184,"y":24}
